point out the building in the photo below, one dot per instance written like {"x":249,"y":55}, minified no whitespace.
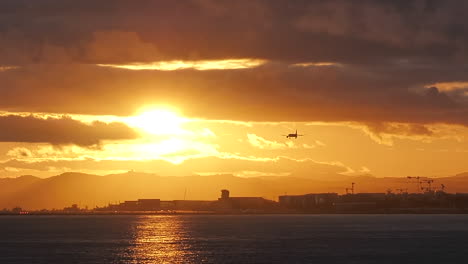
{"x":355,"y":207}
{"x":308,"y":202}
{"x":149,"y":204}
{"x":139,"y":205}
{"x":72,"y":209}
{"x":128,"y":206}
{"x":194,"y":205}
{"x":226,"y":202}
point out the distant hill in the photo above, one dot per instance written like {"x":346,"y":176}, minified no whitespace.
{"x":90,"y":190}
{"x":462,"y":175}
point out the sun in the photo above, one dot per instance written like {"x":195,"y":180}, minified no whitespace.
{"x":158,"y":122}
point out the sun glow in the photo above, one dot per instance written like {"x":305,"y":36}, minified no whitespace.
{"x":158,"y":122}
{"x":201,"y":65}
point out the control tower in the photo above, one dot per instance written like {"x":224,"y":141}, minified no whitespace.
{"x":224,"y":194}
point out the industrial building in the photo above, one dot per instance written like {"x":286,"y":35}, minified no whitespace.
{"x":138,"y":205}
{"x":309,"y":202}
{"x":226,"y":202}
{"x":403,"y":202}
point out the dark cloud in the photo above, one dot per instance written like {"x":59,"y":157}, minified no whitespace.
{"x":405,"y":24}
{"x":273,"y":92}
{"x":409,"y":130}
{"x":60,"y":131}
{"x":335,"y":30}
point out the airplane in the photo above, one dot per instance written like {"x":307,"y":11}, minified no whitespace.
{"x":295,"y":135}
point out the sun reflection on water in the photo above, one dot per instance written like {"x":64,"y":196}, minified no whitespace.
{"x":159,"y":239}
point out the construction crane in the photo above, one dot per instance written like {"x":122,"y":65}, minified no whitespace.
{"x":440,"y":188}
{"x":418,"y":181}
{"x":401,"y":190}
{"x":350,"y":189}
{"x":429,"y":185}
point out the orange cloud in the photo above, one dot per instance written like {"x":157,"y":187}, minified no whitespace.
{"x":309,"y":94}
{"x":386,"y":133}
{"x":262,"y":143}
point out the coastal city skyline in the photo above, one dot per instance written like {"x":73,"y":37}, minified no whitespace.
{"x":233,"y":131}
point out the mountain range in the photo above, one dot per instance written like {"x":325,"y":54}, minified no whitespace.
{"x":59,"y":191}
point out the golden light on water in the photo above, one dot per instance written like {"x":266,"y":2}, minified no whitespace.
{"x":160,"y":239}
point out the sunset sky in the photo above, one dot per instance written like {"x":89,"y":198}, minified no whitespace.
{"x":211,"y":86}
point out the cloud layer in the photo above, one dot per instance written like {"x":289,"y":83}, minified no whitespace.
{"x":117,"y":31}
{"x":273,"y":92}
{"x":60,"y":131}
{"x":369,"y":61}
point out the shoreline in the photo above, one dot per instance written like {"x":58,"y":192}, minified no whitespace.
{"x":414,"y":211}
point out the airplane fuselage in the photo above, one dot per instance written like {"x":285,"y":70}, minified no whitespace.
{"x":293,"y":135}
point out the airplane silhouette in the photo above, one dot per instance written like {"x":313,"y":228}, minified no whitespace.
{"x":295,"y":135}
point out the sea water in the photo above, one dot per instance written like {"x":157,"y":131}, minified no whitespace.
{"x":234,"y":239}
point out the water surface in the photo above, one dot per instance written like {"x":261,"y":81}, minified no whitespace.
{"x":235,"y":239}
